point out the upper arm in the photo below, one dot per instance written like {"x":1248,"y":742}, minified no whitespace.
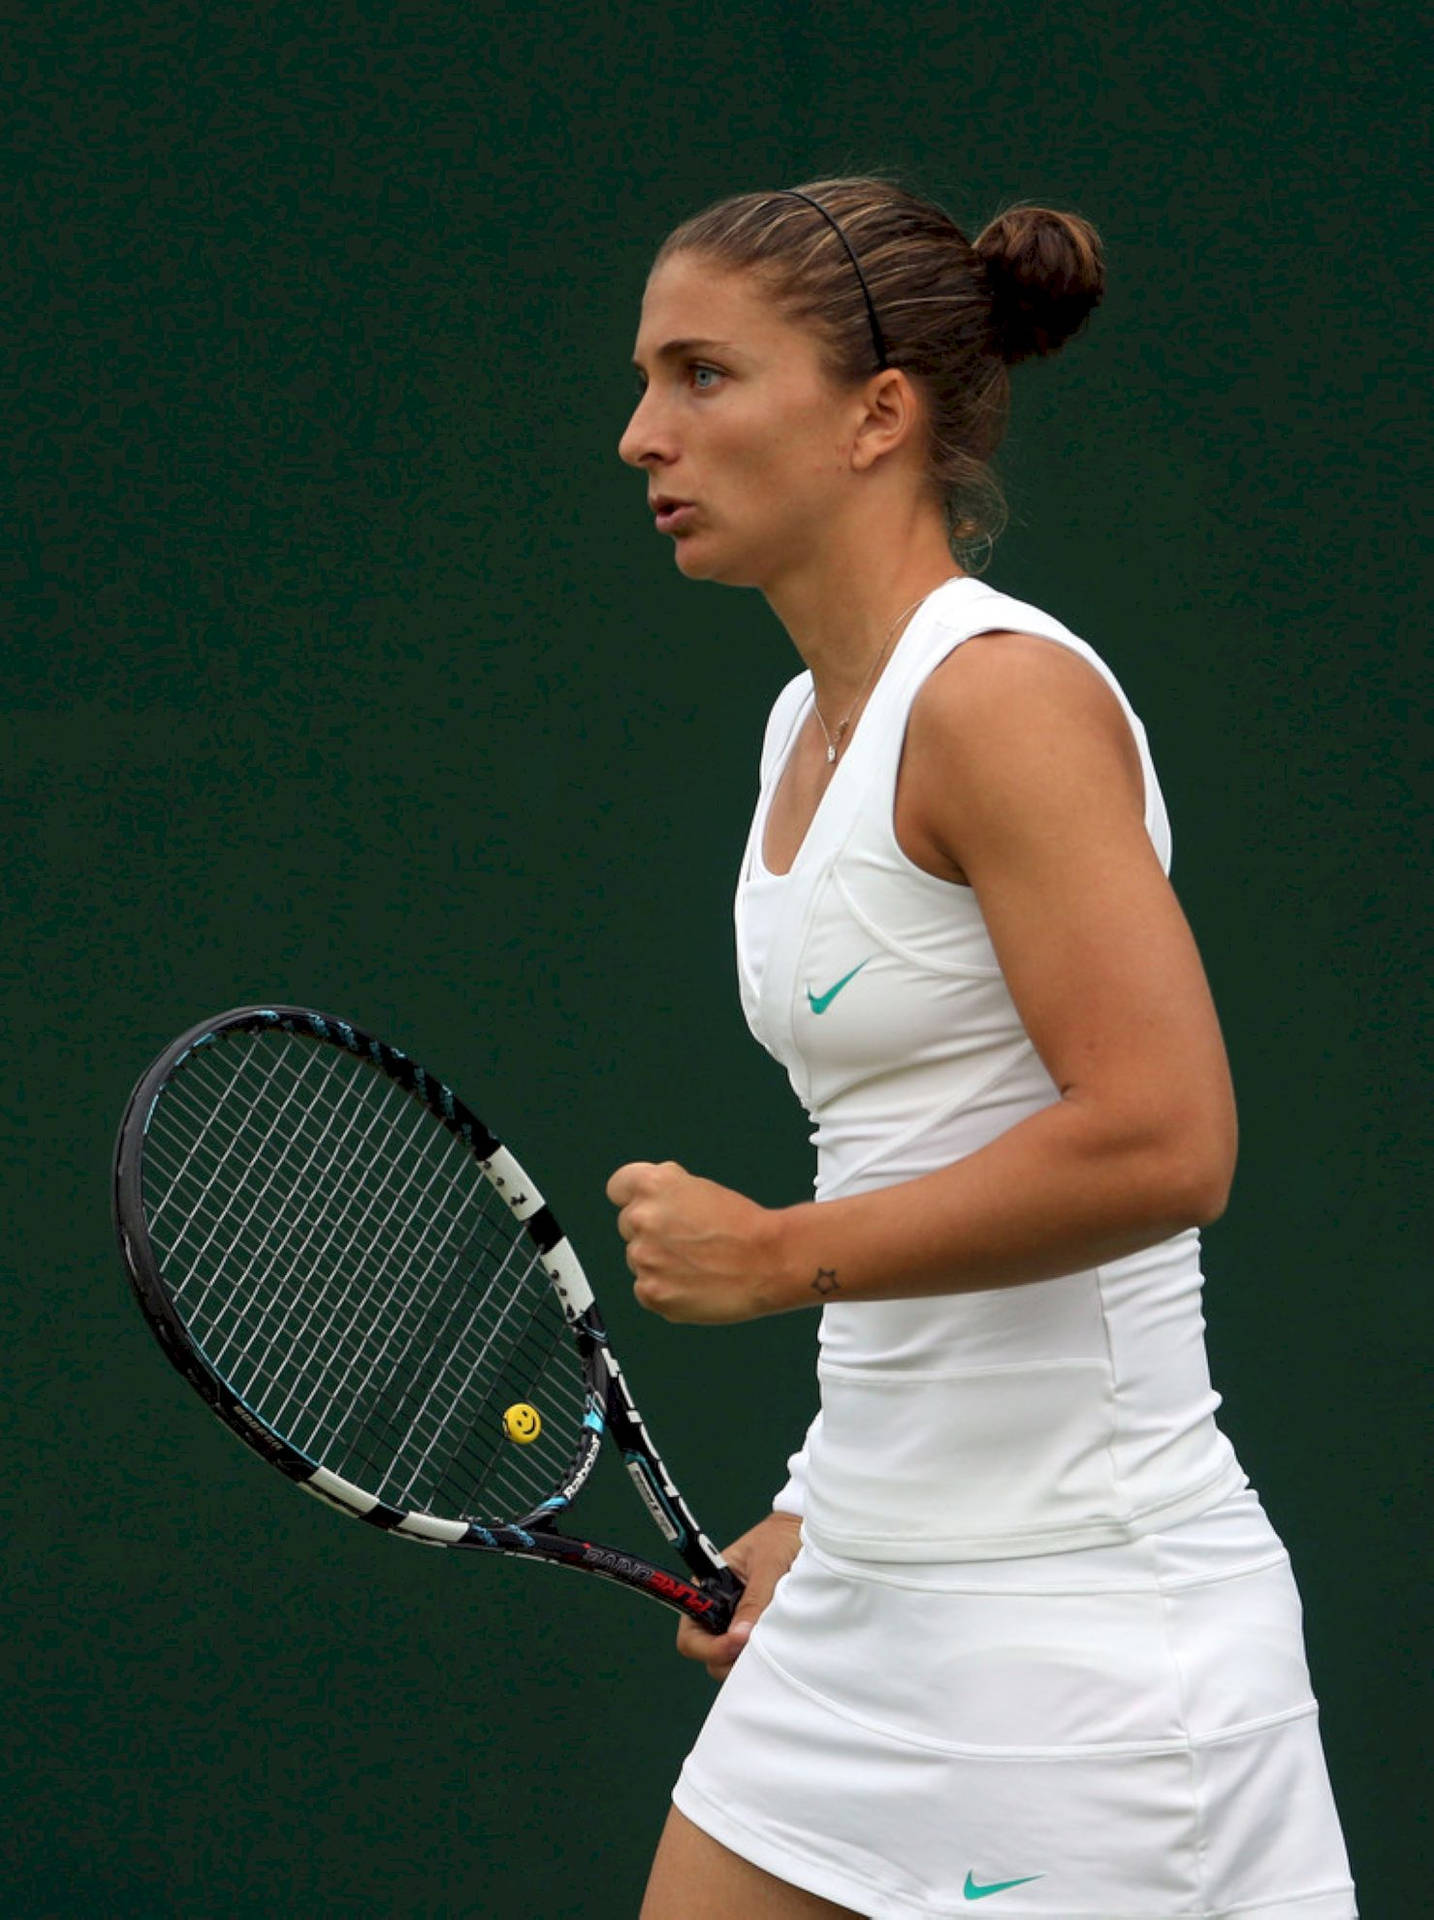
{"x":1021,"y":773}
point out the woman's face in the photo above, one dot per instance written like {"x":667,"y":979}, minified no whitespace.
{"x":744,"y":438}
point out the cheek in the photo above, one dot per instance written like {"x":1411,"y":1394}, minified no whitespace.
{"x":786,"y":471}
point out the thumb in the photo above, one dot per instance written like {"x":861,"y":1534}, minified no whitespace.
{"x":761,"y":1574}
{"x":629,"y":1181}
{"x":752,"y":1605}
{"x":721,"y":1654}
{"x":739,"y":1627}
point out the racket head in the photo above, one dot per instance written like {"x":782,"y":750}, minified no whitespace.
{"x":357,"y":1276}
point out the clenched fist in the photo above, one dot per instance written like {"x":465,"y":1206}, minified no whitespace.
{"x":699,"y":1252}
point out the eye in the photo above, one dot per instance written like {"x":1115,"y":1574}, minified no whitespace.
{"x":703,"y":377}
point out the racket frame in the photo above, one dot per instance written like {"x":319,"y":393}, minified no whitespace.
{"x":712,"y":1592}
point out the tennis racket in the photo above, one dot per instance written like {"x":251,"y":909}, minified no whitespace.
{"x":364,"y":1285}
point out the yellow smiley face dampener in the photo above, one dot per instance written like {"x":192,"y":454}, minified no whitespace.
{"x":522,"y":1423}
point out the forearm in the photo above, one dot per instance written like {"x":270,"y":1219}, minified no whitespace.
{"x":1064,"y":1190}
{"x":1083,"y":1181}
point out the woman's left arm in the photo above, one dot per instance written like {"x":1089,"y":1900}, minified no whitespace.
{"x":1020,"y":774}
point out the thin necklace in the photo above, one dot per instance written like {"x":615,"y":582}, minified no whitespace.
{"x":834,"y":739}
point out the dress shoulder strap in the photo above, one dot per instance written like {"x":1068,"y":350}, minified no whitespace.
{"x":955,"y":613}
{"x":782,"y":723}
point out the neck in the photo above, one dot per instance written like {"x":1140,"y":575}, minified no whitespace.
{"x":842,"y":606}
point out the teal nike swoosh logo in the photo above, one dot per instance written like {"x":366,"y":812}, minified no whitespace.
{"x":973,"y":1892}
{"x":819,"y":1002}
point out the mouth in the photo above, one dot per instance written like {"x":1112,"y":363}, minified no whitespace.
{"x":671,"y":515}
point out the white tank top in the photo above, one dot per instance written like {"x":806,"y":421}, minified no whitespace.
{"x":1061,"y":1414}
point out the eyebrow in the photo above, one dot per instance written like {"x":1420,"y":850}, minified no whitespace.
{"x":675,"y":349}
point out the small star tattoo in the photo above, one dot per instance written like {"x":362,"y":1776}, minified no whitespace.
{"x":825,"y":1282}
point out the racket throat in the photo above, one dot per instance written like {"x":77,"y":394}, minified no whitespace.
{"x":649,"y":1488}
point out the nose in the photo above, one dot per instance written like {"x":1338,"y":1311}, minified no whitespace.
{"x":645,"y":441}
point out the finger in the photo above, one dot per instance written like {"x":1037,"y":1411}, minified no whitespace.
{"x":721,"y":1660}
{"x":717,"y":1652}
{"x":630,"y":1180}
{"x":761,"y":1583}
{"x":693,"y":1642}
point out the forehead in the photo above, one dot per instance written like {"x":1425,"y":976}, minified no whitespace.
{"x":690,"y":298}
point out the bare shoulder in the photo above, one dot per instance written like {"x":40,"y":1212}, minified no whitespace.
{"x":1012,"y":729}
{"x":992,"y":670}
{"x":1003,"y":694}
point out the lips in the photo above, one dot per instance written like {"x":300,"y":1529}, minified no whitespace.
{"x":671,"y":515}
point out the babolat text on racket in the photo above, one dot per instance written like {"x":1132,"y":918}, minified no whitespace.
{"x":365,"y":1286}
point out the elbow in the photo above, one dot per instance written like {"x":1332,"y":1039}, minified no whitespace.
{"x":1175,"y":1168}
{"x":1199,"y":1170}
{"x":1171,"y":1163}
{"x":1207,"y":1196}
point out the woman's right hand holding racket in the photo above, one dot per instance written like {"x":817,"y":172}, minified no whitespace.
{"x":761,"y":1556}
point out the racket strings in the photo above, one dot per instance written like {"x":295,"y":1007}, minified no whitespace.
{"x":281,"y":1413}
{"x":343,"y":1263}
{"x":284,"y":1237}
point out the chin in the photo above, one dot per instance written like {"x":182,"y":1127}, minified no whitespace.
{"x":695,"y":558}
{"x":700,"y":559}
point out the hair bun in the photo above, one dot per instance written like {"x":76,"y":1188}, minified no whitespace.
{"x":1046,"y":273}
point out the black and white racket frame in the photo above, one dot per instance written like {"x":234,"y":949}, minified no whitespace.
{"x":714,"y":1589}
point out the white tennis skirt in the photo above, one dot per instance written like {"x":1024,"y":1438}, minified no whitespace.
{"x":1124,"y":1733}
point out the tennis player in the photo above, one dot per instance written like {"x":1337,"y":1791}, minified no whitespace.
{"x":1017,"y":1630}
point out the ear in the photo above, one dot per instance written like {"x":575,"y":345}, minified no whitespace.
{"x":891,"y":415}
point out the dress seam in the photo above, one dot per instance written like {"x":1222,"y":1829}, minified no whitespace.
{"x":851,"y":1570}
{"x":894,"y":1376}
{"x":1196,"y":1796}
{"x":1091,"y":1533}
{"x":1025,"y":1756}
{"x":952,"y":969}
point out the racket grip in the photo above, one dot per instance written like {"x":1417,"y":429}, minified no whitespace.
{"x":725,"y":1589}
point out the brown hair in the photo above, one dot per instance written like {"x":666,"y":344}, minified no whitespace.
{"x":954,"y":314}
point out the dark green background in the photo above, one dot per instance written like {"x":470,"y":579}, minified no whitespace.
{"x":344,"y":666}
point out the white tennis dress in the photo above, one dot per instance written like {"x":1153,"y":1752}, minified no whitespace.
{"x":1041,"y":1647}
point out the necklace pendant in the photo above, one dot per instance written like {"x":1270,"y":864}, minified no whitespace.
{"x":831,"y":752}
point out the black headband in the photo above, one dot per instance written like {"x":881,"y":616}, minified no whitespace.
{"x":876,"y":335}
